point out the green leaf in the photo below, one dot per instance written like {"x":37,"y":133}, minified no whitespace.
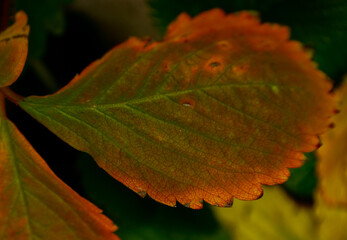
{"x":211,"y":113}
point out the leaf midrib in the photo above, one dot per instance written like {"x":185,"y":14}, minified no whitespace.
{"x":155,"y":97}
{"x":19,"y":184}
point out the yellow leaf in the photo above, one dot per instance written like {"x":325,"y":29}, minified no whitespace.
{"x":332,"y":220}
{"x":331,"y":196}
{"x":332,"y":164}
{"x":275,"y":216}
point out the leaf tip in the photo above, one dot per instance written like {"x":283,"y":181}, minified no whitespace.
{"x":21,"y":17}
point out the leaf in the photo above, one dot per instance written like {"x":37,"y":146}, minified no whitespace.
{"x":274,"y":216}
{"x":13,"y":50}
{"x":139,"y":218}
{"x":220,"y":107}
{"x":34,"y":202}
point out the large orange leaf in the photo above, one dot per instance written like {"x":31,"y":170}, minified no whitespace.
{"x":221,"y":106}
{"x":35,"y":203}
{"x":13,"y":50}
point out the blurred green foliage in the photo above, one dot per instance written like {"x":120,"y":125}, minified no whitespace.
{"x":145,"y":219}
{"x":44,"y":17}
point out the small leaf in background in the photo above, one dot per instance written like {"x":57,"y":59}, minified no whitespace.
{"x":144,"y":219}
{"x":13,"y":50}
{"x":332,"y":167}
{"x":45,"y":17}
{"x":274,"y":216}
{"x":320,"y":24}
{"x":34,"y":202}
{"x":211,"y":113}
{"x":303,"y":180}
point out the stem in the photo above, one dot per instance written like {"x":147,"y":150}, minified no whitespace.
{"x":2,"y":105}
{"x":10,"y":95}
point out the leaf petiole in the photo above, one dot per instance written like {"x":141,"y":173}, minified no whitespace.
{"x":2,"y":105}
{"x":10,"y":95}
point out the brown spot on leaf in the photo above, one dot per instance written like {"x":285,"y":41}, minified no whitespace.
{"x":214,"y":64}
{"x":187,"y":102}
{"x":225,"y":45}
{"x":166,"y":66}
{"x":239,"y":69}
